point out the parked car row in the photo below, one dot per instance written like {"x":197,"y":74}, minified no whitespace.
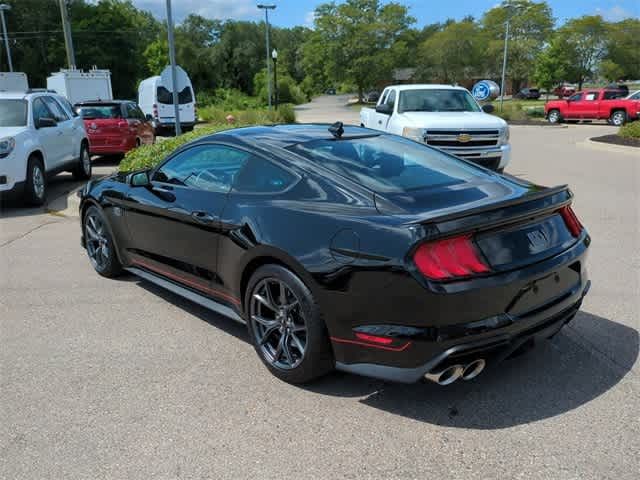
{"x":42,"y":133}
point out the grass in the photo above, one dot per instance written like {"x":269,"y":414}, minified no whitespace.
{"x":630,"y":130}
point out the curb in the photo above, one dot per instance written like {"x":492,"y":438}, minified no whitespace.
{"x":588,"y":143}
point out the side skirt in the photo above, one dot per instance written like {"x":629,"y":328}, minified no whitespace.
{"x":187,"y":293}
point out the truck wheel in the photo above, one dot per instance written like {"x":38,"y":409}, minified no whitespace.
{"x":554,"y":116}
{"x":618,"y":118}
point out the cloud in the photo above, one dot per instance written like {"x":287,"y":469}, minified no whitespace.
{"x":309,"y":18}
{"x":615,"y":13}
{"x":218,"y":9}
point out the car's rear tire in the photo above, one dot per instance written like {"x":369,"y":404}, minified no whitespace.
{"x":618,"y":118}
{"x":286,"y":327}
{"x":554,"y":116}
{"x":83,"y":169}
{"x":99,"y":243}
{"x":35,"y":187}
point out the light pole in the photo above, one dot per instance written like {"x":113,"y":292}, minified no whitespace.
{"x":174,"y":76}
{"x":274,"y":55}
{"x":266,"y":9}
{"x":68,"y":40}
{"x":4,"y":7}
{"x":504,"y":64}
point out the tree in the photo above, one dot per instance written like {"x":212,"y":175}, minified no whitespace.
{"x":530,"y":26}
{"x":622,"y":60}
{"x":453,"y":54}
{"x":584,"y":40}
{"x":355,"y":40}
{"x":551,"y":66}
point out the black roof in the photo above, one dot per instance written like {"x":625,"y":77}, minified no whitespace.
{"x":285,"y":135}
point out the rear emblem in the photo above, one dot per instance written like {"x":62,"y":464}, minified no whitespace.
{"x":464,"y":138}
{"x":93,"y":126}
{"x":538,"y":240}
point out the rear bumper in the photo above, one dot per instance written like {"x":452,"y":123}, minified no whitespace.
{"x":492,"y":348}
{"x":111,"y":145}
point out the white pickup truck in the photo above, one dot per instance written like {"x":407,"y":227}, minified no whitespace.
{"x":445,"y":117}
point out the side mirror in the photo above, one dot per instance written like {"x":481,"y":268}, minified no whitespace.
{"x":384,"y":109}
{"x":46,"y":122}
{"x":488,"y":108}
{"x":140,"y":179}
{"x":148,"y":117}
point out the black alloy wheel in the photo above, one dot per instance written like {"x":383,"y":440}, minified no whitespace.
{"x":99,"y":244}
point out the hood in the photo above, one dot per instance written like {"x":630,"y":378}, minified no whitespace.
{"x":452,"y":120}
{"x":12,"y":131}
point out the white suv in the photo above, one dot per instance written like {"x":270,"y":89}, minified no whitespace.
{"x":40,"y":135}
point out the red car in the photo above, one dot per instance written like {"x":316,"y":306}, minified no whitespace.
{"x":115,"y":126}
{"x":593,"y":104}
{"x":564,"y":90}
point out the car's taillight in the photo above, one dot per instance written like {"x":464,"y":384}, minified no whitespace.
{"x":155,"y":111}
{"x":449,"y":259}
{"x":571,"y":221}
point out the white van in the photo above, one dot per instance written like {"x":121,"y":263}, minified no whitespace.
{"x":155,"y":100}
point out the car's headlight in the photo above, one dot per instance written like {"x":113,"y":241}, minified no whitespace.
{"x":504,"y":135}
{"x":6,"y":146}
{"x":416,"y":134}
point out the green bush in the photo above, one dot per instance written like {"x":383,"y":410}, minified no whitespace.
{"x":147,"y":156}
{"x":630,"y":130}
{"x":228,"y":99}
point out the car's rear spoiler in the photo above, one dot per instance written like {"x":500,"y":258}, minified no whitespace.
{"x":508,"y":211}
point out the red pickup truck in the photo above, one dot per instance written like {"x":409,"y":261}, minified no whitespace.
{"x":593,"y":104}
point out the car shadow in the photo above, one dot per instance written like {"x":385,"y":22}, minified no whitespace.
{"x":585,"y":360}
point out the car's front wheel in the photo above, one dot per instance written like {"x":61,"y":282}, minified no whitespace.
{"x":286,"y":326}
{"x":554,"y":116}
{"x":99,"y":243}
{"x":83,"y":169}
{"x":35,"y":189}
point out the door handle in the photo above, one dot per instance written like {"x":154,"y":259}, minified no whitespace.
{"x":203,"y":217}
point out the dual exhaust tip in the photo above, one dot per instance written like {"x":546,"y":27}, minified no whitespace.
{"x":455,"y":372}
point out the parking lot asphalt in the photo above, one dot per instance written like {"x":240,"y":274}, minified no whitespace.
{"x":117,"y":379}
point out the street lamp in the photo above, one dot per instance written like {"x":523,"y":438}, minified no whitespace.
{"x":266,"y":9}
{"x":504,"y":63}
{"x":4,"y":7}
{"x":274,"y":55}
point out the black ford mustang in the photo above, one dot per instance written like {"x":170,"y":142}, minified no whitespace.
{"x":348,"y":248}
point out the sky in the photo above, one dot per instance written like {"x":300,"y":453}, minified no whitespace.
{"x":300,"y":12}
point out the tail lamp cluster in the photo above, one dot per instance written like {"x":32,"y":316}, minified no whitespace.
{"x":450,"y":258}
{"x":571,"y":221}
{"x":458,"y":257}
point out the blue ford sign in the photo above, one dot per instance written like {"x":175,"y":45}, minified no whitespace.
{"x":485,"y":90}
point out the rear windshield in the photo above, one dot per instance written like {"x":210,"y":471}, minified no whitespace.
{"x":389,"y":164}
{"x":436,"y":100}
{"x":13,"y":113}
{"x":97,"y":112}
{"x":166,"y":98}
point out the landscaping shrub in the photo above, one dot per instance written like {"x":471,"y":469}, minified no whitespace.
{"x":630,"y":130}
{"x":148,"y":156}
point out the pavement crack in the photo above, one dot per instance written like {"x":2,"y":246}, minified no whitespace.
{"x":27,"y":233}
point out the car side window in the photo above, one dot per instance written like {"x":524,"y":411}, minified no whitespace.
{"x":59,"y":115}
{"x":591,"y":96}
{"x":133,"y":112}
{"x":391,"y":99}
{"x":576,"y":97}
{"x":383,"y":97}
{"x":40,"y":110}
{"x":261,"y":176}
{"x":204,"y":167}
{"x":66,"y":104}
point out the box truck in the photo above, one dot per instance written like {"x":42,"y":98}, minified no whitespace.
{"x":80,"y":86}
{"x":13,"y":82}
